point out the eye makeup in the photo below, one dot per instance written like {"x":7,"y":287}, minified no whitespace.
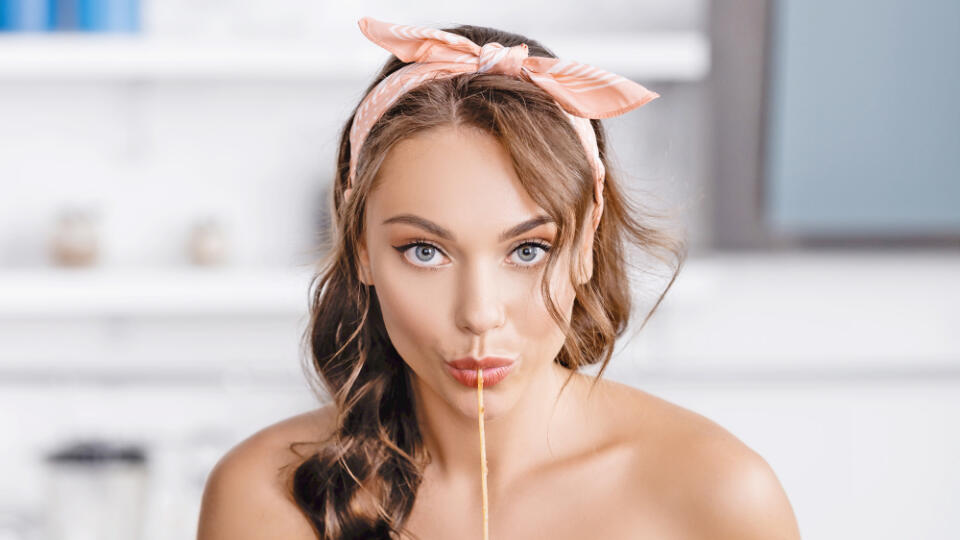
{"x":419,"y":242}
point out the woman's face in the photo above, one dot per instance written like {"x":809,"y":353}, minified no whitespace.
{"x":468,"y":292}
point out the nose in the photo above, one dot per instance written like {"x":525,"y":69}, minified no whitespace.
{"x":480,"y":307}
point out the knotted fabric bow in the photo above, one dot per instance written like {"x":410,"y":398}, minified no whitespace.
{"x":582,"y":91}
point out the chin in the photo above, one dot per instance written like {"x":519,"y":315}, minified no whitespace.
{"x":495,"y":404}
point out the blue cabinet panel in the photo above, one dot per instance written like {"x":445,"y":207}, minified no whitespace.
{"x":863,"y":133}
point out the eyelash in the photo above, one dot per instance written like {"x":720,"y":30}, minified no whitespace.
{"x":424,"y":242}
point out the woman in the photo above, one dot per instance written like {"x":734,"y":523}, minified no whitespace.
{"x":477,"y":223}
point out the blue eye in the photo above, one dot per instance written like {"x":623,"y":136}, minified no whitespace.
{"x":530,"y":250}
{"x":426,"y":252}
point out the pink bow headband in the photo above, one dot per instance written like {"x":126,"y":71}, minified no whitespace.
{"x":582,"y":91}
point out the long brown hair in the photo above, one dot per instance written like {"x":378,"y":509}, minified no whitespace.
{"x":362,"y":480}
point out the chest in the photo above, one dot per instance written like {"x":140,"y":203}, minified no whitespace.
{"x":599,"y":499}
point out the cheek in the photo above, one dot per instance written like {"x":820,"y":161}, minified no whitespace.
{"x":409,"y":314}
{"x":535,"y":320}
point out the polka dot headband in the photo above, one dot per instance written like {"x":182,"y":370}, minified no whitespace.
{"x":582,"y":91}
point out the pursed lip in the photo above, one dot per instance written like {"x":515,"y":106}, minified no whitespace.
{"x":486,"y":362}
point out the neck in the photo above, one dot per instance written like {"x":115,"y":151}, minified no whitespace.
{"x":529,"y":434}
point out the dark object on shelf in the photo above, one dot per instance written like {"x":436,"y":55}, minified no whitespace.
{"x":97,"y":489}
{"x":97,"y":452}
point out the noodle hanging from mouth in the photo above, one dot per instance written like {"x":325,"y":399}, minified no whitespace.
{"x":483,"y":450}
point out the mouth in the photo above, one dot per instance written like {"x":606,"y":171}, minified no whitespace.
{"x":464,"y":370}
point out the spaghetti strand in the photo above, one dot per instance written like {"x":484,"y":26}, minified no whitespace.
{"x":483,"y":451}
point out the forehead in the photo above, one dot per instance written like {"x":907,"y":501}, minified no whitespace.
{"x":459,"y":176}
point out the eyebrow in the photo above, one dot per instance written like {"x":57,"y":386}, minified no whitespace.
{"x":429,"y":226}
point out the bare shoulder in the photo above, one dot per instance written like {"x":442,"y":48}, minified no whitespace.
{"x":247,"y":495}
{"x":720,"y":487}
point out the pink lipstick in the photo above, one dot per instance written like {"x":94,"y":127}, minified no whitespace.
{"x":494,"y":368}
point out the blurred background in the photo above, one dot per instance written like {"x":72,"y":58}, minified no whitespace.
{"x":164,"y":169}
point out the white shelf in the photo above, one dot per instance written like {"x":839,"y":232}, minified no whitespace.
{"x":153,"y":323}
{"x":675,"y":56}
{"x":123,"y":57}
{"x":788,"y":315}
{"x":644,"y":57}
{"x":826,"y":313}
{"x":59,"y":293}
